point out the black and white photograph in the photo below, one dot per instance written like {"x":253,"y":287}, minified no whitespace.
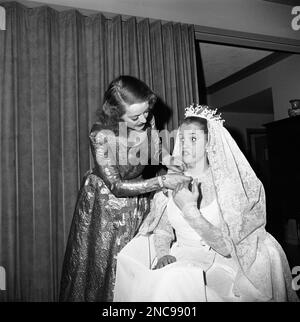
{"x":149,"y":153}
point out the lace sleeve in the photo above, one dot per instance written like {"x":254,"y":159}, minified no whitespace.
{"x":163,"y":236}
{"x":211,"y":234}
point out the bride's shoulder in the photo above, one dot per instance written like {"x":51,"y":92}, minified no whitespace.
{"x":208,"y":190}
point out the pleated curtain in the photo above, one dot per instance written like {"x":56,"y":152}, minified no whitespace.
{"x":54,"y":69}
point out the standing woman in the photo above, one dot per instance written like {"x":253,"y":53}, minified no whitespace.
{"x":113,"y":199}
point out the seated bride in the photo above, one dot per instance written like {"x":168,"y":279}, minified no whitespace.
{"x":206,"y":242}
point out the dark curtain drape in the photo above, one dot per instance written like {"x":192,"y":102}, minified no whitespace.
{"x":54,"y":68}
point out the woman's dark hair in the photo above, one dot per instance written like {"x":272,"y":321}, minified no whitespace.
{"x":121,"y":92}
{"x":200,"y":121}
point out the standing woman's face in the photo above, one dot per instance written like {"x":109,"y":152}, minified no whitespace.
{"x":136,"y":116}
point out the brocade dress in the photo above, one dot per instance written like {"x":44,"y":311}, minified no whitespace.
{"x":112,"y":202}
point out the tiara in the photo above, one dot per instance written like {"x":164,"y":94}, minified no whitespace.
{"x":203,"y":111}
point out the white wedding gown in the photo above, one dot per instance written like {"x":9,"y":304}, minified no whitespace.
{"x":198,"y":275}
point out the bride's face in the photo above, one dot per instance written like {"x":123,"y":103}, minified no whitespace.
{"x":193,"y":141}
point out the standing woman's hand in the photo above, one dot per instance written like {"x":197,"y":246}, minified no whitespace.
{"x":171,"y":181}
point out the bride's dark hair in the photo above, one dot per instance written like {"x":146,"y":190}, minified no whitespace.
{"x":200,"y":121}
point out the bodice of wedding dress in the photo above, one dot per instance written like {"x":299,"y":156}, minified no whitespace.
{"x":174,"y":219}
{"x":185,"y":234}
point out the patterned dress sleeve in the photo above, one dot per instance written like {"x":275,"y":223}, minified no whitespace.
{"x":103,"y":151}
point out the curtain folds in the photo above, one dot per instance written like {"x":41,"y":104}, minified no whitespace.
{"x":54,"y":69}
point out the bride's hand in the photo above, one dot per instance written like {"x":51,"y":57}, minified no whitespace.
{"x":165,"y":260}
{"x":183,"y":197}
